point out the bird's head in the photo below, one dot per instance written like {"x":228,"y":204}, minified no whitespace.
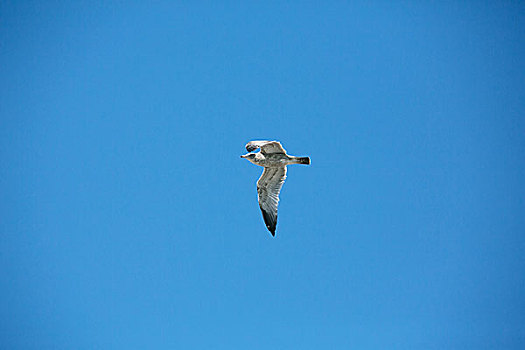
{"x":249,"y":156}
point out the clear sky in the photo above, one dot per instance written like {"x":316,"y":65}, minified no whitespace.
{"x":128,"y":220}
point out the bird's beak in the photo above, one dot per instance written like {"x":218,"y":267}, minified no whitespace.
{"x":244,"y":156}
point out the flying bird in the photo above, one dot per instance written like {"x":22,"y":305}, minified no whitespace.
{"x":274,"y":159}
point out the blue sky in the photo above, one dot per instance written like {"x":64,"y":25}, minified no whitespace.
{"x":130,"y":222}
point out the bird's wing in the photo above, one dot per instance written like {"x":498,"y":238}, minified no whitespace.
{"x":268,"y":188}
{"x":265,"y":146}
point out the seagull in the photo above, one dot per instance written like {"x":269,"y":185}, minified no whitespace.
{"x":274,"y":159}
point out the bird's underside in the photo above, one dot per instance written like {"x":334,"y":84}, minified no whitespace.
{"x":274,"y":159}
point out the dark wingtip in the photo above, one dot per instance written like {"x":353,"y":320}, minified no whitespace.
{"x":271,"y":229}
{"x":270,"y":224}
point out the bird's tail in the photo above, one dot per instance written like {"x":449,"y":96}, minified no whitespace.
{"x":301,"y":160}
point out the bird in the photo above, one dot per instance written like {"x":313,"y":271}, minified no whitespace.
{"x":274,"y":159}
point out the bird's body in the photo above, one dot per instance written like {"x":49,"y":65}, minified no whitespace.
{"x":274,"y":159}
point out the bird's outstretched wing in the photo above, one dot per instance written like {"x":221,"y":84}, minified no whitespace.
{"x":265,"y":146}
{"x":268,"y":188}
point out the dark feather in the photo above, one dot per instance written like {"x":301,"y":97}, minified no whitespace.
{"x":270,"y":222}
{"x":251,"y":148}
